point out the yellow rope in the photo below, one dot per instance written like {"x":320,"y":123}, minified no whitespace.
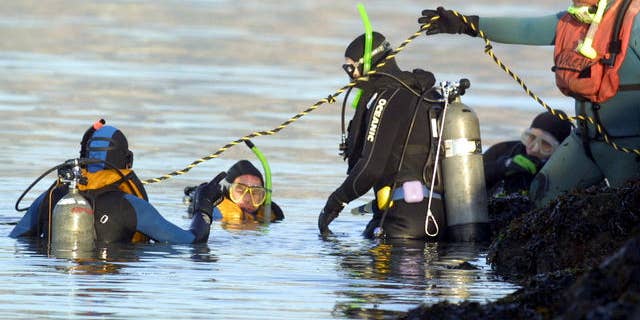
{"x":489,"y":50}
{"x":330,"y":99}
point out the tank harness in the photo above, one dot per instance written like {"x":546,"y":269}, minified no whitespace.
{"x":106,"y":180}
{"x":417,"y":163}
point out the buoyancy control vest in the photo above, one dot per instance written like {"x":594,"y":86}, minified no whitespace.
{"x":103,"y":181}
{"x":414,"y":167}
{"x":418,"y":159}
{"x":592,"y":79}
{"x":235,"y":218}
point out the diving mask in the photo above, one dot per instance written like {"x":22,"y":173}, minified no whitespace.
{"x":350,"y":68}
{"x":237,"y":192}
{"x":544,"y":142}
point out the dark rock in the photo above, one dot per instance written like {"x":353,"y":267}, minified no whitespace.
{"x":502,"y":210}
{"x":610,"y":291}
{"x":578,"y":230}
{"x":536,"y":300}
{"x":470,"y":310}
{"x":546,"y":250}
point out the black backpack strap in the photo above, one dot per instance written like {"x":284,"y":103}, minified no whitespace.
{"x":615,"y":46}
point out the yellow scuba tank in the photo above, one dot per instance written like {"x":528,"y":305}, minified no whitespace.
{"x":72,"y":228}
{"x":463,"y":175}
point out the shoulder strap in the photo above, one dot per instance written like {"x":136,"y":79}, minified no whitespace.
{"x":615,"y":46}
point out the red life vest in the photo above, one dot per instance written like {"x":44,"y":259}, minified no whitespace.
{"x":583,"y":78}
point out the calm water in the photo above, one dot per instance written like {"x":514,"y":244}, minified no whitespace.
{"x":181,"y":79}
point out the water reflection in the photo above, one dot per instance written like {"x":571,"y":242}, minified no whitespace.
{"x":431,"y":271}
{"x":109,"y":258}
{"x":189,"y":78}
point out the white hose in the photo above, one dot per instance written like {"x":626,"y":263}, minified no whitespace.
{"x":435,"y":171}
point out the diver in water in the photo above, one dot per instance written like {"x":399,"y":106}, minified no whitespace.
{"x":597,"y":62}
{"x":389,"y":143}
{"x":244,"y":197}
{"x":120,"y":205}
{"x":510,"y":166}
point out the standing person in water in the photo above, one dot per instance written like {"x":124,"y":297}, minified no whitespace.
{"x":389,"y":143}
{"x":510,"y":166}
{"x":597,"y":62}
{"x":121,"y":209}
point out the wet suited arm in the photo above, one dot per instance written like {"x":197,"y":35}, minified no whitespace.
{"x":152,"y":224}
{"x":518,"y":30}
{"x":495,"y":160}
{"x":28,"y":225}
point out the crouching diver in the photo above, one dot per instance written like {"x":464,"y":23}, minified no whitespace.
{"x":116,"y":199}
{"x":390,"y":148}
{"x":246,"y":198}
{"x":510,"y":166}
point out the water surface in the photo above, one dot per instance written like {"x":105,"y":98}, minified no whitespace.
{"x":181,"y":79}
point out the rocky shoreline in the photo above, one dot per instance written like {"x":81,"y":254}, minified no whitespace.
{"x":577,"y":258}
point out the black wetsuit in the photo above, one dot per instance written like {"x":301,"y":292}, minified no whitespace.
{"x":378,"y":133}
{"x":117,"y":217}
{"x":495,"y":170}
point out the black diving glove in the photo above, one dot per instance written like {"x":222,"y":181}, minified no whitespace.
{"x":522,"y":164}
{"x":208,"y":195}
{"x":330,"y":211}
{"x":447,"y":22}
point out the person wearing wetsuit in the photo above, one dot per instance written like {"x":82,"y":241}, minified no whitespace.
{"x":509,"y":166}
{"x":244,"y":195}
{"x":122,"y":212}
{"x":389,"y":143}
{"x":584,"y":158}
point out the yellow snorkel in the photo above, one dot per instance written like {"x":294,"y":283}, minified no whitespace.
{"x":585,"y":47}
{"x":267,"y":179}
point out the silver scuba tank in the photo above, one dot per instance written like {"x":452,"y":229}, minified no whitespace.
{"x":72,"y":226}
{"x":463,"y":175}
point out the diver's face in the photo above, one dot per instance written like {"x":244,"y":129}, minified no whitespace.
{"x":539,"y":143}
{"x":247,"y":192}
{"x":351,"y":68}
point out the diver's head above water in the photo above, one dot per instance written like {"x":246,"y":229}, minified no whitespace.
{"x":245,"y":186}
{"x":354,"y":54}
{"x":106,"y":143}
{"x":545,"y":134}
